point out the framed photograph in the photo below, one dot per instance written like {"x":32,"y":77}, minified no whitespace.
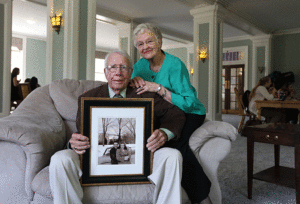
{"x":118,"y":130}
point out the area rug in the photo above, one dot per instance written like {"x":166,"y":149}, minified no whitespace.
{"x":233,"y":173}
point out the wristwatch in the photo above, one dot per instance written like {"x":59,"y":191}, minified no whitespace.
{"x":158,"y":88}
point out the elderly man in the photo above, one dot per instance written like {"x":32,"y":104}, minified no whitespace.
{"x":65,"y":169}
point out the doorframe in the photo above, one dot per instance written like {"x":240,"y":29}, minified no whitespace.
{"x":244,"y":50}
{"x":6,"y":55}
{"x":230,"y":111}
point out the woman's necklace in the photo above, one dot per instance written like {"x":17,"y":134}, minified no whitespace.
{"x":154,"y":74}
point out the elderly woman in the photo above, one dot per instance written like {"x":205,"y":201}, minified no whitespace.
{"x":167,"y":76}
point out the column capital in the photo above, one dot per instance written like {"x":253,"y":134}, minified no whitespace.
{"x":261,"y":40}
{"x":202,"y":13}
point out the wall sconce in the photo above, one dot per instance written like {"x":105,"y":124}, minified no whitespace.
{"x":56,"y":22}
{"x":202,"y":54}
{"x":191,"y":71}
{"x":260,"y":69}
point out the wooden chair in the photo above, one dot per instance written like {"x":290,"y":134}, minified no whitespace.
{"x":242,"y":109}
{"x":24,"y":90}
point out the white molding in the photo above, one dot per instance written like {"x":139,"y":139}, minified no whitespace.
{"x":237,"y":38}
{"x":164,"y":47}
{"x":20,"y":35}
{"x":244,"y":61}
{"x":71,"y":38}
{"x":176,"y":39}
{"x":286,"y":32}
{"x":6,"y":58}
{"x":49,"y":45}
{"x":104,"y":49}
{"x":91,"y":40}
{"x":24,"y":57}
{"x":219,"y":89}
{"x":111,"y":14}
{"x":261,"y":41}
{"x":254,"y":66}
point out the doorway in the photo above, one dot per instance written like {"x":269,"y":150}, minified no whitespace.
{"x":232,"y":76}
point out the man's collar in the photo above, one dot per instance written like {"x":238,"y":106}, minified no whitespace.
{"x":112,"y":93}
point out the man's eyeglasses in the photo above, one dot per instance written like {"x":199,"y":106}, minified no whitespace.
{"x":113,"y":68}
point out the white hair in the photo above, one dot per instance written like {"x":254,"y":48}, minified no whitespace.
{"x":121,"y":52}
{"x":146,"y":27}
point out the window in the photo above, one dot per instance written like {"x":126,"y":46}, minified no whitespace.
{"x":232,"y":56}
{"x":99,"y":70}
{"x":17,"y":57}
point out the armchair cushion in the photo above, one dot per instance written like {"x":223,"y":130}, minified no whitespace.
{"x":40,"y":183}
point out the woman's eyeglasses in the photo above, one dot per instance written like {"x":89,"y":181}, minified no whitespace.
{"x":148,"y":42}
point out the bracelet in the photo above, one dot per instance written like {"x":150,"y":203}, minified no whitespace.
{"x":158,"y":89}
{"x":164,"y":94}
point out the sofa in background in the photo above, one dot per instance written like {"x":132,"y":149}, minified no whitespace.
{"x":42,"y":125}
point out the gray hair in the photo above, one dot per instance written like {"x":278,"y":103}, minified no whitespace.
{"x":121,"y":52}
{"x":146,"y":27}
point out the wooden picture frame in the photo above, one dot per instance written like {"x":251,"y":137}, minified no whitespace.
{"x":118,"y":130}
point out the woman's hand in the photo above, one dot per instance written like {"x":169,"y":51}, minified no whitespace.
{"x":137,"y":82}
{"x":148,"y":87}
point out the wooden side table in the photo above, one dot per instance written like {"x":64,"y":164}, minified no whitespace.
{"x":277,"y":134}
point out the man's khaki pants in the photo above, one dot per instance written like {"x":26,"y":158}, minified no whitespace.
{"x":65,"y":173}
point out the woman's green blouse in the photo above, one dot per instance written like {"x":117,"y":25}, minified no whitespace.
{"x":174,"y":76}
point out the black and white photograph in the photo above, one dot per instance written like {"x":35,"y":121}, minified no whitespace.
{"x":116,"y":143}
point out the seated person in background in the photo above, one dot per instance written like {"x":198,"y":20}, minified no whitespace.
{"x":27,"y":80}
{"x":288,"y":93}
{"x":34,"y":83}
{"x":292,"y":91}
{"x":288,"y":90}
{"x":261,"y":92}
{"x":168,"y":120}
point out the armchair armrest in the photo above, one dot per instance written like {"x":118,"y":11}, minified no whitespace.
{"x":37,"y":128}
{"x":211,"y":143}
{"x":209,"y":130}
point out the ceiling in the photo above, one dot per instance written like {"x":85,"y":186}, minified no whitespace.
{"x":245,"y":17}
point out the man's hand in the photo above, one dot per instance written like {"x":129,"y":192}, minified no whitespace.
{"x":79,"y":143}
{"x":156,"y":140}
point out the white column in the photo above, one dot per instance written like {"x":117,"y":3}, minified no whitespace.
{"x":91,"y":40}
{"x":49,"y":46}
{"x":71,"y":33}
{"x":211,"y":15}
{"x":261,"y":41}
{"x":6,"y":57}
{"x":126,"y":31}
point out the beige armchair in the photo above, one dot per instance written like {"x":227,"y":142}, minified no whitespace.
{"x":42,"y":125}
